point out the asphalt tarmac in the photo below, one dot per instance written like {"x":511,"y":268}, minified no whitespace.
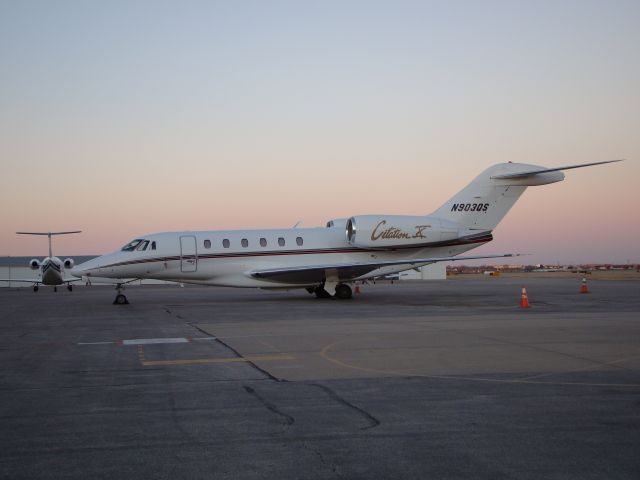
{"x":444,"y":379}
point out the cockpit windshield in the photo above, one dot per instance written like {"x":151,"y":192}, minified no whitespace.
{"x":131,"y":245}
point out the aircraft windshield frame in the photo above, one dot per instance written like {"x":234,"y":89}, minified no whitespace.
{"x":129,"y":247}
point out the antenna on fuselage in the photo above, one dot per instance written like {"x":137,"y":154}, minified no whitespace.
{"x":49,"y":235}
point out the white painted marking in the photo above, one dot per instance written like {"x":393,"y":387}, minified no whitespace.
{"x":153,"y":341}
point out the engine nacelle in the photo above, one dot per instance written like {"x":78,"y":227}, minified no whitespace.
{"x":393,"y":231}
{"x":68,"y":263}
{"x":34,"y":264}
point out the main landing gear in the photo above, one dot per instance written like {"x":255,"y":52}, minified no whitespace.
{"x":321,"y":292}
{"x":36,"y":287}
{"x":343,"y":292}
{"x":120,"y":299}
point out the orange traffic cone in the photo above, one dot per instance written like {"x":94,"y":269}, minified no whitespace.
{"x":357,"y":290}
{"x":524,"y":300}
{"x":583,"y":286}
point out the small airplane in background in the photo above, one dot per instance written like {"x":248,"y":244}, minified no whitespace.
{"x":326,"y":260}
{"x":51,"y":268}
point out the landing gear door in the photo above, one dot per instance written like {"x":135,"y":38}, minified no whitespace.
{"x":188,"y":254}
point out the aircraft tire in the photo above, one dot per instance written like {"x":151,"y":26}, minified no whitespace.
{"x":35,"y":288}
{"x":343,"y":291}
{"x":120,"y":300}
{"x":55,"y":289}
{"x":70,"y":287}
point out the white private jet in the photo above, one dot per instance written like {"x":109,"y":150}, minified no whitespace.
{"x":326,"y":260}
{"x":51,"y":268}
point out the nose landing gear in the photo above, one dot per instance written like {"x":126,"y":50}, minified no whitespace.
{"x":120,"y":299}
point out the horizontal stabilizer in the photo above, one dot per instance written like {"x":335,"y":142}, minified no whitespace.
{"x":530,"y":173}
{"x":48,"y":233}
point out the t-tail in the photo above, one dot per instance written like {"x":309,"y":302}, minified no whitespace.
{"x":489,"y":197}
{"x":49,"y":235}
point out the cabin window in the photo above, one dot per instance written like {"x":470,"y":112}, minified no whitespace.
{"x":299,"y":241}
{"x":131,"y":245}
{"x":263,"y":242}
{"x":281,"y":241}
{"x":244,"y":242}
{"x":153,"y":245}
{"x":143,"y":245}
{"x":226,"y":243}
{"x":207,"y":243}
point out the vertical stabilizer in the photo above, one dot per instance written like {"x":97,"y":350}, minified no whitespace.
{"x":483,"y":203}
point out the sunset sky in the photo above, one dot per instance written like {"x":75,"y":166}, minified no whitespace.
{"x":121,"y":118}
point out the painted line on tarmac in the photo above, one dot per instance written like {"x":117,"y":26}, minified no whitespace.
{"x":325,"y":353}
{"x":613,"y":363}
{"x":150,"y":341}
{"x":153,"y":341}
{"x":205,"y":361}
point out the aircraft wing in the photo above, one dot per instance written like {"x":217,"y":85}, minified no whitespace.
{"x":36,"y":280}
{"x":348,"y":271}
{"x":71,"y":279}
{"x":25,"y":280}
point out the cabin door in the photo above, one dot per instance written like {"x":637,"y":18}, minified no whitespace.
{"x":188,"y":253}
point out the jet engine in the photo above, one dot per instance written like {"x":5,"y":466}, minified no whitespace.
{"x":68,"y":263}
{"x":394,"y":231}
{"x":34,"y":264}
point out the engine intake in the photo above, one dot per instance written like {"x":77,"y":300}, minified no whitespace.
{"x":393,"y":231}
{"x":34,"y":264}
{"x":68,"y":263}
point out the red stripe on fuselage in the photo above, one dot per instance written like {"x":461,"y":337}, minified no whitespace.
{"x":271,"y":253}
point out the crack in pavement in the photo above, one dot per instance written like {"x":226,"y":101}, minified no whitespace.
{"x":288,"y":419}
{"x":373,"y":421}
